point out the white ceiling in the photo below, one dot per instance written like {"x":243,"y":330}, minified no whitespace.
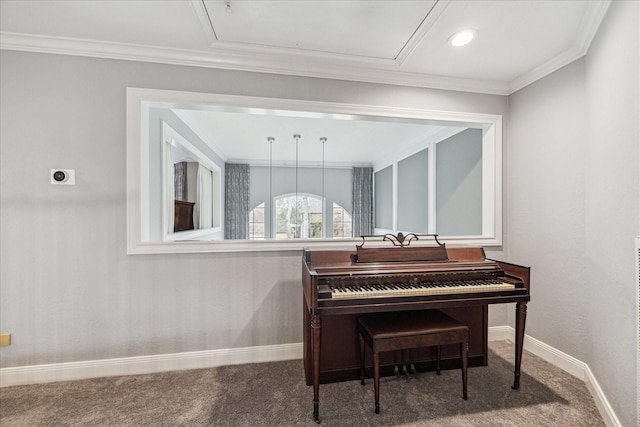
{"x":400,"y":42}
{"x":396,"y":41}
{"x":239,"y":137}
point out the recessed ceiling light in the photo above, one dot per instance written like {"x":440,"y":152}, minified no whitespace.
{"x":463,"y":37}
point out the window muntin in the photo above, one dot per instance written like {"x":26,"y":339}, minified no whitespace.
{"x":342,"y":223}
{"x":256,"y":223}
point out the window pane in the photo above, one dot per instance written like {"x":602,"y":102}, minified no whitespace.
{"x":341,"y":222}
{"x":256,"y":223}
{"x":301,"y":218}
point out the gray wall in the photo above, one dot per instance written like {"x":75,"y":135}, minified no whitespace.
{"x":383,"y":198}
{"x":458,"y":188}
{"x":413,"y":180}
{"x":68,"y":290}
{"x":573,"y":197}
{"x":459,"y":184}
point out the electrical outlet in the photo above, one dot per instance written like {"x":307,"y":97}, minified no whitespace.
{"x":63,"y":176}
{"x":5,"y":339}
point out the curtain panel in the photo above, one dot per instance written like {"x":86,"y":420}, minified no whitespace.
{"x":180,"y":180}
{"x":362,"y":201}
{"x":204,"y":198}
{"x":236,"y":201}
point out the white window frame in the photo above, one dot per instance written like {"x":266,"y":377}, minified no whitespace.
{"x":139,"y":102}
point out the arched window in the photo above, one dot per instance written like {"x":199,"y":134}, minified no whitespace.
{"x":256,"y":223}
{"x":341,"y":222}
{"x":301,"y":220}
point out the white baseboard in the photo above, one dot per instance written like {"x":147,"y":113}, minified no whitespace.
{"x":579,"y":370}
{"x":71,"y":371}
{"x":22,"y":375}
{"x":234,"y":356}
{"x":501,"y":333}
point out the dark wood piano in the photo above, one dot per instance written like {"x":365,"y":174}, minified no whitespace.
{"x":396,"y":273}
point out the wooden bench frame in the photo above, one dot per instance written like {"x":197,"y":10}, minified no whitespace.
{"x":409,"y":330}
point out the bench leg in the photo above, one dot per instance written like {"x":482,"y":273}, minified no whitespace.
{"x":376,"y":379}
{"x":438,"y":355}
{"x":464,"y":352}
{"x":361,"y":360}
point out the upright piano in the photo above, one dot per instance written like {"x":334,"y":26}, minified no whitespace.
{"x":397,"y":273}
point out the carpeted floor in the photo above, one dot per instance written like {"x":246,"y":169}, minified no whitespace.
{"x":274,"y":394}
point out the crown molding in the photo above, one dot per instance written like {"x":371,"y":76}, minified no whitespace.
{"x":315,"y":64}
{"x":589,"y":27}
{"x":565,"y":58}
{"x":224,"y":58}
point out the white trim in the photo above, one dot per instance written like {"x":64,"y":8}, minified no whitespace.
{"x":200,"y":11}
{"x":231,"y":56}
{"x":592,"y":19}
{"x":70,"y":371}
{"x":501,"y":333}
{"x":578,"y":369}
{"x":232,"y":59}
{"x":139,"y":101}
{"x":637,"y":259}
{"x":37,"y":374}
{"x":203,"y":17}
{"x":567,"y":363}
{"x":426,"y":25}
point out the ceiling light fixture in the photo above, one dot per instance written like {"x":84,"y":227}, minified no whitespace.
{"x":462,"y":38}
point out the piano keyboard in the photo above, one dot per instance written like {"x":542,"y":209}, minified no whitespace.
{"x":418,"y":288}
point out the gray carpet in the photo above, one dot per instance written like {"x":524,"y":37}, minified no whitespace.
{"x":274,"y":394}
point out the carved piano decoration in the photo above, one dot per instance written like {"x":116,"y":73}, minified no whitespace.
{"x":397,"y":273}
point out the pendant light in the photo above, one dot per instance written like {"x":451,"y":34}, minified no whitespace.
{"x":297,"y":138}
{"x":324,"y":220}
{"x":268,"y":206}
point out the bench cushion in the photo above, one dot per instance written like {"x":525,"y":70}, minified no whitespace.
{"x":408,"y":323}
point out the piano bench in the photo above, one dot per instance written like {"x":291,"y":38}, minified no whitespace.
{"x":406,"y":330}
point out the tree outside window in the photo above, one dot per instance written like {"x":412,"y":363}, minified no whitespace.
{"x":299,"y":218}
{"x":341,"y":222}
{"x":256,"y":223}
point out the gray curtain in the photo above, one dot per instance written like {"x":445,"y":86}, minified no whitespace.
{"x":236,"y":201}
{"x":180,"y":180}
{"x":362,"y":201}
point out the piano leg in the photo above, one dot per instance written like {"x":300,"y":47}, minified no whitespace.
{"x":521,"y":317}
{"x":316,"y":330}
